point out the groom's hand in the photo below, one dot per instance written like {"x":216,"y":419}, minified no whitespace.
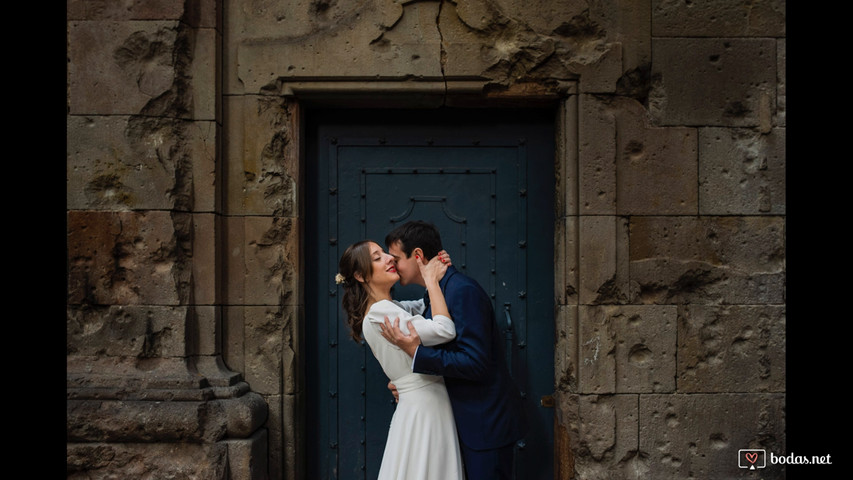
{"x":407,"y":343}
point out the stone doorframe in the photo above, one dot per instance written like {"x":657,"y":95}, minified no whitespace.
{"x":303,"y":95}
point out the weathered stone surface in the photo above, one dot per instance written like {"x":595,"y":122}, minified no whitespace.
{"x":268,"y":349}
{"x":603,"y":253}
{"x":741,"y":172}
{"x":348,"y":40}
{"x":698,"y":436}
{"x":128,"y":11}
{"x":718,"y":18}
{"x":136,"y":57}
{"x":133,"y":378}
{"x":597,"y":155}
{"x":566,"y":160}
{"x":566,"y":349}
{"x":566,"y":272}
{"x":207,"y":259}
{"x":206,"y":330}
{"x":123,"y":163}
{"x":781,"y":78}
{"x":708,"y":260}
{"x":203,"y":73}
{"x":278,"y":422}
{"x":731,"y":348}
{"x":127,"y":331}
{"x":428,"y":40}
{"x":626,"y":349}
{"x":234,"y":335}
{"x":262,"y":167}
{"x":629,"y":167}
{"x":713,"y":82}
{"x":605,"y":445}
{"x":178,"y":461}
{"x":247,"y":458}
{"x":132,"y":421}
{"x":655,"y":167}
{"x":262,"y":260}
{"x":126,"y":258}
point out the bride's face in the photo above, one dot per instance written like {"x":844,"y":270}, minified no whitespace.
{"x":383,"y":268}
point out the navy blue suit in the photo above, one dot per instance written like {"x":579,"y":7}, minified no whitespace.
{"x":486,"y":402}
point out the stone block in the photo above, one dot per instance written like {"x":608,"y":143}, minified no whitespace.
{"x":629,"y":22}
{"x":739,"y":348}
{"x":152,"y":379}
{"x":626,"y":349}
{"x":234,"y":337}
{"x":139,"y":421}
{"x":603,"y":259}
{"x":597,"y":155}
{"x":261,"y":166}
{"x":117,"y":68}
{"x":655,"y":167}
{"x":699,"y":435}
{"x":292,"y":445}
{"x":718,"y":18}
{"x":207,"y":259}
{"x":262,"y":260}
{"x":148,"y":10}
{"x":566,"y":350}
{"x":102,"y":461}
{"x":599,"y":69}
{"x":781,"y":79}
{"x":268,"y":349}
{"x":207,"y":334}
{"x":708,"y":260}
{"x":276,"y":426}
{"x":728,"y":82}
{"x":606,"y":443}
{"x":345,"y":39}
{"x":566,"y":162}
{"x":127,"y":331}
{"x":126,"y":258}
{"x":204,"y":72}
{"x":741,"y":171}
{"x":247,"y":457}
{"x":123,"y":163}
{"x":566,"y":270}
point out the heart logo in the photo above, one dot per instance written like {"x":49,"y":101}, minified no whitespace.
{"x":752,"y":456}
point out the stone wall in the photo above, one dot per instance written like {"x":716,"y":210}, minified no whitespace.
{"x":185,"y":213}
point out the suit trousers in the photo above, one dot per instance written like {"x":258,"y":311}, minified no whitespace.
{"x":495,"y":464}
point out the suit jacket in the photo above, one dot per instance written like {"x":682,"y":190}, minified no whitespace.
{"x":486,"y":402}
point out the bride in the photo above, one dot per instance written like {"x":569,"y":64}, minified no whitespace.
{"x":422,"y":442}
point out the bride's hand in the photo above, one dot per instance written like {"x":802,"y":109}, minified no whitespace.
{"x":435,"y":268}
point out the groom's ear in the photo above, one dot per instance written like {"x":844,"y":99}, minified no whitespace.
{"x":418,"y":253}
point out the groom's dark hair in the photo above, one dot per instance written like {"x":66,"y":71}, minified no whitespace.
{"x":416,"y":234}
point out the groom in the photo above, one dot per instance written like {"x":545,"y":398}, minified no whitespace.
{"x":486,"y":402}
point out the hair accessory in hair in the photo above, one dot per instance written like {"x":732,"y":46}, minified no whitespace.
{"x":339,"y":279}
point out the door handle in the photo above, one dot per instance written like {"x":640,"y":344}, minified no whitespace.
{"x":547,"y":401}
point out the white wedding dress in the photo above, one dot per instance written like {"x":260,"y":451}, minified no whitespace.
{"x":422,"y":442}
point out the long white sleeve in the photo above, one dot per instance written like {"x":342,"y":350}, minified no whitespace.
{"x":435,"y":331}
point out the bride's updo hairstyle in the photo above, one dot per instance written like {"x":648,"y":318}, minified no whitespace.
{"x":355,"y":260}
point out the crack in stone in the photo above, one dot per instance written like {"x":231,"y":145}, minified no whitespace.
{"x":443,"y":52}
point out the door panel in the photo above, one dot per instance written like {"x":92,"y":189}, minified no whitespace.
{"x":487,"y":182}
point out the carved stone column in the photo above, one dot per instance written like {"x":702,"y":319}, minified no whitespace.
{"x":148,"y":393}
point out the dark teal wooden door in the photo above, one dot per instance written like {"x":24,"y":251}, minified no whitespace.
{"x":486,"y":179}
